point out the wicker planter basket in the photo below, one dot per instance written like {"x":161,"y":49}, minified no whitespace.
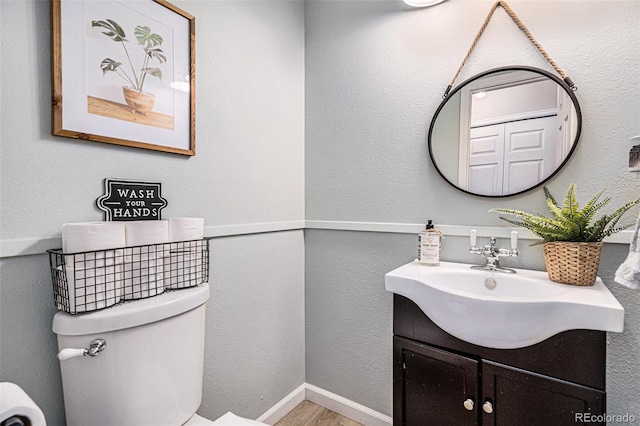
{"x":572,"y":263}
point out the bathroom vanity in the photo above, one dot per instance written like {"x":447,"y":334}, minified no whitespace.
{"x":439,"y":379}
{"x":478,"y":347}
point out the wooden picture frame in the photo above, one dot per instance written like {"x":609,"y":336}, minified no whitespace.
{"x":123,"y":72}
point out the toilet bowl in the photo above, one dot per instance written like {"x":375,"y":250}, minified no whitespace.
{"x":147,"y":363}
{"x":228,"y":419}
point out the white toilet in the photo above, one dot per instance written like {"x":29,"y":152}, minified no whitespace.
{"x":149,"y":364}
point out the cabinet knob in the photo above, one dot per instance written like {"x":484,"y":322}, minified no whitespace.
{"x":487,"y":407}
{"x":468,"y":404}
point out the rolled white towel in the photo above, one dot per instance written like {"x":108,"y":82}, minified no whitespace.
{"x":628,"y":274}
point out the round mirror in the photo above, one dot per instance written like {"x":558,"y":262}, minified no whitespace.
{"x":505,"y":131}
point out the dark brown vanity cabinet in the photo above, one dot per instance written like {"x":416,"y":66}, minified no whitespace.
{"x":441,"y":380}
{"x":435,"y":386}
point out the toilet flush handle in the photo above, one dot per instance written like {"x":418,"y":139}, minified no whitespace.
{"x":94,"y":349}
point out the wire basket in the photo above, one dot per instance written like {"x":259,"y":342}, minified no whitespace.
{"x":94,"y":280}
{"x":572,"y":263}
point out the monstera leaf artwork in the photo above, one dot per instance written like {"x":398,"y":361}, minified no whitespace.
{"x":123,"y":73}
{"x":134,"y":79}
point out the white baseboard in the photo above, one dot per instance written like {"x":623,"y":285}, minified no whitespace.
{"x":346,"y":407}
{"x":286,"y":404}
{"x":324,"y":398}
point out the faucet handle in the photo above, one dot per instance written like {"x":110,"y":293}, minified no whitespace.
{"x":514,"y":240}
{"x":473,"y":236}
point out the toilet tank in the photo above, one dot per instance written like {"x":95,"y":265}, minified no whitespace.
{"x":150,"y":372}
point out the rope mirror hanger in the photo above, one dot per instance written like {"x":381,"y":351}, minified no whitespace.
{"x":524,"y":29}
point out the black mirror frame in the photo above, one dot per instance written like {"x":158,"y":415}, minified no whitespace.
{"x":495,"y":70}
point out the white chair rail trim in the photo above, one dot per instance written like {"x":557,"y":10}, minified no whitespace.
{"x":11,"y":247}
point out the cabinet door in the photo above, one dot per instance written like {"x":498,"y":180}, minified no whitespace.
{"x":519,"y":397}
{"x":433,"y":387}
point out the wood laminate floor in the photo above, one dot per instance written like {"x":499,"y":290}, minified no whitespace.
{"x":309,"y":414}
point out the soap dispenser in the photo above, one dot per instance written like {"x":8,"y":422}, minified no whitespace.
{"x":429,"y":245}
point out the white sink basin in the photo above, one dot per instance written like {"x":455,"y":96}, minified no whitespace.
{"x":523,"y":308}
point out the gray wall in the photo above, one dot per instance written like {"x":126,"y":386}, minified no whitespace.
{"x":255,"y":328}
{"x":375,"y":74}
{"x":348,"y":317}
{"x":249,"y":169}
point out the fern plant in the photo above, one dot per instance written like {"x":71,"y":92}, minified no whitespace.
{"x":571,"y":223}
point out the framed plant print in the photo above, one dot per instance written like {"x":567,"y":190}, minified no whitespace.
{"x":123,"y":72}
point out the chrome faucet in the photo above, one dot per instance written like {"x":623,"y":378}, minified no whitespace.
{"x":493,"y":254}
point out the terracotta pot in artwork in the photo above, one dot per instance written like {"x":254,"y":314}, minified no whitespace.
{"x":139,"y":102}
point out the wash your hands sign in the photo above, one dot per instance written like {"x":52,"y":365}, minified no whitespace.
{"x":126,"y":200}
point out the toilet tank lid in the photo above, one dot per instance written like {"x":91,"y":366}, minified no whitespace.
{"x":131,"y":314}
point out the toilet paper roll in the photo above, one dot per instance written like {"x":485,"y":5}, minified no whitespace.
{"x":146,"y":232}
{"x":16,"y":403}
{"x":90,"y":289}
{"x":93,"y":272}
{"x":143,"y":278}
{"x":143,"y":232}
{"x":184,"y":266}
{"x":85,"y":237}
{"x":186,"y":228}
{"x":90,"y":236}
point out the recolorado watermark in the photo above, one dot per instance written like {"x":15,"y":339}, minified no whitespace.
{"x":604,"y":418}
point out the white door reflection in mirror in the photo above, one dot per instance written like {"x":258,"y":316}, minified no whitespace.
{"x":510,"y":157}
{"x":509,"y":144}
{"x":504,"y":131}
{"x":565,"y":125}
